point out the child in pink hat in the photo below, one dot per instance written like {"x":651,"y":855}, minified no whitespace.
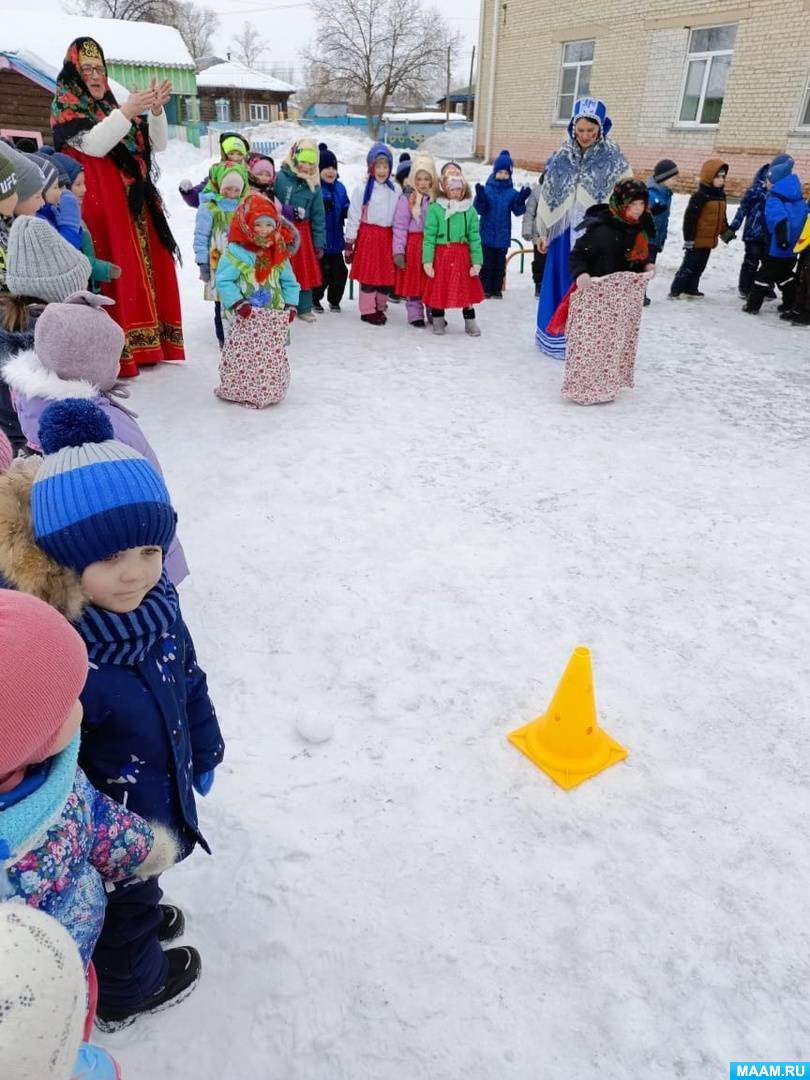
{"x":60,"y":839}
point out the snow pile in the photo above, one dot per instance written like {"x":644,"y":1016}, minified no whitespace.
{"x":398,"y":560}
{"x":456,"y":143}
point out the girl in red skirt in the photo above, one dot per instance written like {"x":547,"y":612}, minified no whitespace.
{"x":298,"y":189}
{"x":409,"y":226}
{"x":369,"y":235}
{"x":452,"y":253}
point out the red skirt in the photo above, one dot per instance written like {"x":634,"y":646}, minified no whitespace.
{"x":373,"y":262}
{"x":451,"y":286}
{"x":146,"y":295}
{"x":410,"y":282}
{"x":305,"y":262}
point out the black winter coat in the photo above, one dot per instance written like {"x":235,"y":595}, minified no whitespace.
{"x":606,"y":243}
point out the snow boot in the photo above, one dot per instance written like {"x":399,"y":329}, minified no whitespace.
{"x":307,"y":316}
{"x":472,"y":328}
{"x":185,"y":967}
{"x":419,"y":323}
{"x":696,"y":295}
{"x":172,"y":923}
{"x":439,"y":324}
{"x":376,"y":318}
{"x":334,"y":307}
{"x":317,"y":306}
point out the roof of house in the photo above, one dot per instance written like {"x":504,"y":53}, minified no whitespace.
{"x":237,"y":75}
{"x":146,"y":44}
{"x":461,"y":93}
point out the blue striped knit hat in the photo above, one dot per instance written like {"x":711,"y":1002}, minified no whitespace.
{"x":93,"y":496}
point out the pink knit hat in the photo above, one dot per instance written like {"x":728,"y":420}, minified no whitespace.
{"x":43,"y":667}
{"x":6,"y":452}
{"x":78,"y":340}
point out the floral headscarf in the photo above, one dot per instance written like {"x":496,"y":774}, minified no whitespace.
{"x":74,"y":109}
{"x":270,"y":252}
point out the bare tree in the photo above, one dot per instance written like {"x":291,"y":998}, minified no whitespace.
{"x":197,"y":25}
{"x":374,"y":51}
{"x":131,"y":10}
{"x":249,"y":45}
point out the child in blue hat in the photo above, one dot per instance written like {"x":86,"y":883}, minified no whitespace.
{"x":496,"y":203}
{"x":100,"y":524}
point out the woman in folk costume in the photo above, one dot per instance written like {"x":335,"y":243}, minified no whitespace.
{"x":297,"y":188}
{"x":581,"y":173}
{"x":122,"y":208}
{"x":258,"y":288}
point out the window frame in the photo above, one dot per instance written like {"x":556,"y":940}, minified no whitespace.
{"x":259,"y":106}
{"x":804,"y":110}
{"x":696,"y":57}
{"x":222,"y":105}
{"x":577,"y":65}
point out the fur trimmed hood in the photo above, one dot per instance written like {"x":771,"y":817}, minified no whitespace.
{"x":23,"y":565}
{"x":26,"y":374}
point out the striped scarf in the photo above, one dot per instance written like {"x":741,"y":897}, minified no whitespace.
{"x":126,"y":639}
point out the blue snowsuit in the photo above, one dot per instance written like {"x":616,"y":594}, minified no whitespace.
{"x":149,"y":728}
{"x":785,"y":215}
{"x":755,"y":234}
{"x":660,"y":206}
{"x":334,"y":271}
{"x":496,"y":202}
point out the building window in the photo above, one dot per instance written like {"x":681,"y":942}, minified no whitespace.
{"x":190,"y":106}
{"x":804,"y":115}
{"x":259,"y":112}
{"x":460,"y":107}
{"x":707,"y":65}
{"x":575,"y":77}
{"x":223,"y":107}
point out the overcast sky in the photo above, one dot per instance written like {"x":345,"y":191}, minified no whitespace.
{"x":288,"y":25}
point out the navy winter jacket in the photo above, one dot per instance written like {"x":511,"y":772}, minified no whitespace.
{"x":660,"y":206}
{"x":496,"y":202}
{"x":148,"y":730}
{"x":336,"y":207}
{"x":752,"y":209}
{"x":785,"y":215}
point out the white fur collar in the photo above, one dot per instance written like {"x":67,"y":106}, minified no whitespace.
{"x":25,"y":375}
{"x":454,"y":206}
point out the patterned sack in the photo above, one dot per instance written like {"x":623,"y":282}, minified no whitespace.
{"x":253,"y":369}
{"x":602,"y":337}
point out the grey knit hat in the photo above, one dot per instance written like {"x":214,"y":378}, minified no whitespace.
{"x":29,"y":178}
{"x":41,"y":264}
{"x":50,"y":173}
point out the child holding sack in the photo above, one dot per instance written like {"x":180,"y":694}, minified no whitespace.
{"x":496,"y":203}
{"x":369,"y":235}
{"x":451,"y":253}
{"x":409,"y":227}
{"x":298,"y":190}
{"x":214,"y":217}
{"x":611,"y":265}
{"x":75,"y":353}
{"x":60,"y":839}
{"x":258,"y":288}
{"x":89,"y":534}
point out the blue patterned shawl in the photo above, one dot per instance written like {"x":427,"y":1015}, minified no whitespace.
{"x":595,"y":171}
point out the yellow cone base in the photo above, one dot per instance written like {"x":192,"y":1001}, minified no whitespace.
{"x":566,"y":742}
{"x":567,"y":776}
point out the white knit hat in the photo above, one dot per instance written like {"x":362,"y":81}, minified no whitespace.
{"x":43,"y":993}
{"x":41,"y":264}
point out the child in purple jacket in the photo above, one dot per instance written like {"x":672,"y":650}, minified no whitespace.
{"x":409,"y":225}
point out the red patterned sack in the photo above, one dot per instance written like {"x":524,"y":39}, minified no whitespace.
{"x":253,"y":369}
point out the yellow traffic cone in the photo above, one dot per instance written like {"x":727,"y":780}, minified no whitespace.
{"x":567,"y":742}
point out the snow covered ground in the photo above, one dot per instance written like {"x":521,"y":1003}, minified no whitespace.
{"x":406,"y":550}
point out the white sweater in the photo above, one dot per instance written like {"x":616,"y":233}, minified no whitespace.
{"x":379,"y":211}
{"x":101,"y":138}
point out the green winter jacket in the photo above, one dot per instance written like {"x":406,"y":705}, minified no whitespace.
{"x":294,"y":191}
{"x":101,"y":269}
{"x":458,"y":227}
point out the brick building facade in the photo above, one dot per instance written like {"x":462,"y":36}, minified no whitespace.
{"x":684,"y":80}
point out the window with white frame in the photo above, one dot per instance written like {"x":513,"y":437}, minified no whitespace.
{"x":259,"y":112}
{"x":575,"y":76}
{"x":804,"y":115}
{"x":711,"y":49}
{"x":223,"y":107}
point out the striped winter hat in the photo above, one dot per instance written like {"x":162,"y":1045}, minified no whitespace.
{"x":93,"y":496}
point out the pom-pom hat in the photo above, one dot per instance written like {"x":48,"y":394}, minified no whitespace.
{"x":327,"y":159}
{"x":503,"y":162}
{"x":93,"y":496}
